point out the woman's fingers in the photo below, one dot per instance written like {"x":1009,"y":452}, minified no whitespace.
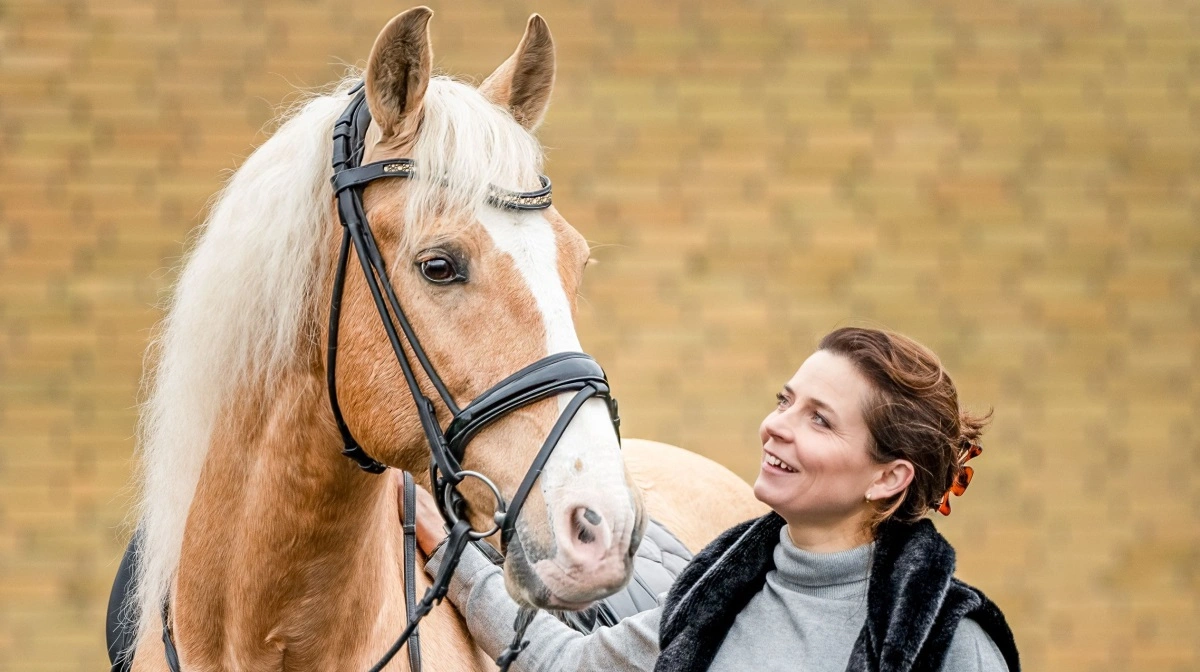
{"x":430,"y":528}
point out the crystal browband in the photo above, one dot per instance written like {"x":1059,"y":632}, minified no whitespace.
{"x":539,"y":199}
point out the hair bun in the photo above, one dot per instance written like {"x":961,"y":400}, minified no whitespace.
{"x":970,"y":427}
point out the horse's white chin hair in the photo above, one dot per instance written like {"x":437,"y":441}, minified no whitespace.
{"x":548,"y":584}
{"x":575,"y":588}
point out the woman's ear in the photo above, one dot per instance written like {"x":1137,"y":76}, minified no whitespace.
{"x":891,"y":480}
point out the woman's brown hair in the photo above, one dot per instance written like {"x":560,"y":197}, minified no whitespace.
{"x":913,"y":415}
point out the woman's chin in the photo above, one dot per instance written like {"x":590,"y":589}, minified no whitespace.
{"x":767,"y":491}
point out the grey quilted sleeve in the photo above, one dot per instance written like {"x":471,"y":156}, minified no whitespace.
{"x":478,"y":591}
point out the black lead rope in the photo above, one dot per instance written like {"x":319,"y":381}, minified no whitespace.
{"x":519,"y":643}
{"x":456,"y":543}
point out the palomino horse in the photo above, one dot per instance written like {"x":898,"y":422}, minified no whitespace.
{"x":272,"y":549}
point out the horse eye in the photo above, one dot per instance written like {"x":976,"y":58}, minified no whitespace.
{"x":440,"y":271}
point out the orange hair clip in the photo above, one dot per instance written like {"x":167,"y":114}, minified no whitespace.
{"x":962,"y":480}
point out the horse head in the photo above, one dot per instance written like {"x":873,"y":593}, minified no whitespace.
{"x":487,"y":291}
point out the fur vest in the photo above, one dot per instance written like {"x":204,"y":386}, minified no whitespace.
{"x":914,"y":603}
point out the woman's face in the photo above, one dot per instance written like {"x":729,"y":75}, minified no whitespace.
{"x":816,"y":469}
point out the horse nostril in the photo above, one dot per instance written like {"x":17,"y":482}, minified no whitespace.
{"x":584,"y":519}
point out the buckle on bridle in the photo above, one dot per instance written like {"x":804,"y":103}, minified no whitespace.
{"x":452,"y":500}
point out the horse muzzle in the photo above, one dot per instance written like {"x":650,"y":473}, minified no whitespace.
{"x":594,"y":540}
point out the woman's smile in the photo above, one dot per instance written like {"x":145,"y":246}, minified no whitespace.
{"x":772,"y":464}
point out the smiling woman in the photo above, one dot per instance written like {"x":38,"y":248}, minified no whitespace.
{"x":863,"y":389}
{"x":845,"y":573}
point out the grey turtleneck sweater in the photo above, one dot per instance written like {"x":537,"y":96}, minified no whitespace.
{"x":807,"y":616}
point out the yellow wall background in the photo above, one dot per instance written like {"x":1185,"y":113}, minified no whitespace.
{"x":1016,"y":184}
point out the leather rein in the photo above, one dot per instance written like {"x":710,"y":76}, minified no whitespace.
{"x":559,"y":373}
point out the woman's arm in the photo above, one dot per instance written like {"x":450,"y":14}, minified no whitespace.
{"x":971,"y":650}
{"x":477,"y":589}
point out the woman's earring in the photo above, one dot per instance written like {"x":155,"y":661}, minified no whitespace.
{"x":868,"y":496}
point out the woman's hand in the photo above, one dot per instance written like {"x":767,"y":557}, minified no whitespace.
{"x":431,"y":530}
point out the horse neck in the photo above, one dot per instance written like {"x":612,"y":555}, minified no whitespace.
{"x":287,"y":543}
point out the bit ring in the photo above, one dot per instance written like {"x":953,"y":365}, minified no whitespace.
{"x":499,"y":511}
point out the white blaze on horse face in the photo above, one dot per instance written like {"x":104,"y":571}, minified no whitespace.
{"x":585,"y":471}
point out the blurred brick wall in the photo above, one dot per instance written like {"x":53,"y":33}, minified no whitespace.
{"x":1015,"y":184}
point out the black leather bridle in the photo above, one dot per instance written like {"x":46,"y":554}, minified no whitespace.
{"x":548,"y":377}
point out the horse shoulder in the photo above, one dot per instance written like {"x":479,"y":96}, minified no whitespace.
{"x":691,"y":495}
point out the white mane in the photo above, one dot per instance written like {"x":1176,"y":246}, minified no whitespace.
{"x":249,"y":287}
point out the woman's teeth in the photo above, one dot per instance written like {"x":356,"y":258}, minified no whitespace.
{"x":778,"y":463}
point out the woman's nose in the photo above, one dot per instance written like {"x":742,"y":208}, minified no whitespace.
{"x":774,"y":426}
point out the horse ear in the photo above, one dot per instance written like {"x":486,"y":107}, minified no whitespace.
{"x":398,"y":73}
{"x":522,"y":84}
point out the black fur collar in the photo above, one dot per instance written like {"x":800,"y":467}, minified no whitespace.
{"x":914,"y":603}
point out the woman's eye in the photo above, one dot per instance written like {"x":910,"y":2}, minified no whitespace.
{"x":440,"y":271}
{"x":781,"y":400}
{"x":820,"y":420}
